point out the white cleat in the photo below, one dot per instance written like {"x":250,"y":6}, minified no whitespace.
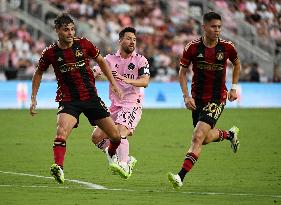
{"x":235,"y":141}
{"x":115,"y":166}
{"x":132,"y":162}
{"x":111,"y":160}
{"x":175,"y":180}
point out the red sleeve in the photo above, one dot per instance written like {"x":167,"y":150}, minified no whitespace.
{"x":92,"y":50}
{"x":186,"y":56}
{"x":44,"y":61}
{"x":233,"y":56}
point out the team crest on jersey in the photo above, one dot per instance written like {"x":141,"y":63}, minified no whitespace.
{"x":131,"y":66}
{"x":78,"y":53}
{"x":220,"y":55}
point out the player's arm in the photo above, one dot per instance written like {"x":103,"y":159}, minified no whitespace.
{"x":232,"y":95}
{"x":36,"y":80}
{"x":233,"y":57}
{"x":188,"y":100}
{"x":143,"y":73}
{"x":183,"y":80}
{"x":42,"y":66}
{"x":107,"y":72}
{"x":236,"y":71}
{"x":141,"y":82}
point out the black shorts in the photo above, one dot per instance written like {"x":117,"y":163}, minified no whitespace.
{"x":93,"y":109}
{"x":208,"y":113}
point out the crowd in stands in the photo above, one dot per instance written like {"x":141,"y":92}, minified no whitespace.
{"x":163,"y":31}
{"x":19,"y":52}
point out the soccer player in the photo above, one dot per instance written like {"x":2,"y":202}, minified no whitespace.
{"x":76,"y":91}
{"x":208,"y":55}
{"x":132,"y":73}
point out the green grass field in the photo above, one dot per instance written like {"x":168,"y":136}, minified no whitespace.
{"x":252,"y":176}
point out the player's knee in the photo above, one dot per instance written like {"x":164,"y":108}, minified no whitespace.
{"x":96,"y":137}
{"x":115,"y":135}
{"x":207,"y":139}
{"x":61,"y":131}
{"x":198,"y":137}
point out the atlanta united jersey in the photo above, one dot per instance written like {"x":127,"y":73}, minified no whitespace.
{"x":209,"y":68}
{"x":75,"y":78}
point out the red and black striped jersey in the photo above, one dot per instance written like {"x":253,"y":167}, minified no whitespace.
{"x":209,"y":68}
{"x":74,"y":76}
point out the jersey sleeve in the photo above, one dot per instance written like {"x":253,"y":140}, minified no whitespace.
{"x":143,"y":67}
{"x":92,"y":50}
{"x":186,"y":55}
{"x":233,"y":56}
{"x":44,"y":61}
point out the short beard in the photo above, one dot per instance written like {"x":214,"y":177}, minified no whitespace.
{"x":128,"y":51}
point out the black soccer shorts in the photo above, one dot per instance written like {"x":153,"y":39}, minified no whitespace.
{"x":208,"y":113}
{"x":93,"y":109}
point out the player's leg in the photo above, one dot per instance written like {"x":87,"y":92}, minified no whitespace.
{"x":100,"y":139}
{"x":65,"y":123}
{"x":123,"y":149}
{"x":199,"y":134}
{"x":217,"y":135}
{"x":126,"y":119}
{"x":204,"y":119}
{"x":110,"y":129}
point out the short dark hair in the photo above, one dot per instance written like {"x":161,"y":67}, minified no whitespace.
{"x":63,"y":19}
{"x":211,"y":16}
{"x":125,"y":30}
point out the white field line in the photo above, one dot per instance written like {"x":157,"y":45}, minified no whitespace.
{"x":88,"y":185}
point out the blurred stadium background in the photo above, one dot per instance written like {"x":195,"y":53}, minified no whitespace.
{"x":250,"y":177}
{"x":164,"y":27}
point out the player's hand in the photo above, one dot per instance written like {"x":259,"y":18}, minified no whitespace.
{"x":232,"y":95}
{"x":123,"y":79}
{"x":32,"y":108}
{"x":117,"y":91}
{"x":189,"y":103}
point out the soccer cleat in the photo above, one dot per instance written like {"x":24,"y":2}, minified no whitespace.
{"x":111,"y":160}
{"x":234,"y":141}
{"x":132,"y":162}
{"x":57,"y":172}
{"x":175,"y":180}
{"x":115,"y":167}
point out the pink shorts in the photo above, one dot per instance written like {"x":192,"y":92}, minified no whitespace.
{"x":127,"y":116}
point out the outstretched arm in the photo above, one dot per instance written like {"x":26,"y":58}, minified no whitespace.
{"x":107,"y":72}
{"x":141,"y":82}
{"x":36,"y":80}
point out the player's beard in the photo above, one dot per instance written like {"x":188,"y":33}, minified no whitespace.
{"x":129,"y":49}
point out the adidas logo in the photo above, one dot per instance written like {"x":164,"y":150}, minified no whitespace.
{"x":60,"y":59}
{"x":200,"y":55}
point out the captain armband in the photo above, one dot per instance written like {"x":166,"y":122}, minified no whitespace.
{"x":144,"y":70}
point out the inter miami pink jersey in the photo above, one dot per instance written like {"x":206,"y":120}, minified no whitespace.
{"x":133,"y":67}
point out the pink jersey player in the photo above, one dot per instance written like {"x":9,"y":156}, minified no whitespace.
{"x":132,"y":73}
{"x":126,"y":111}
